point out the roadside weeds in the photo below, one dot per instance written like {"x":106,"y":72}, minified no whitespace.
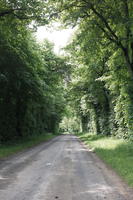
{"x":117,"y":153}
{"x":11,"y":148}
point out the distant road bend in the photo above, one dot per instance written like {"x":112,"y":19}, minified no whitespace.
{"x":60,"y":169}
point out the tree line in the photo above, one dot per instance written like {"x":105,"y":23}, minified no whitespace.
{"x":100,"y":86}
{"x":31,"y":75}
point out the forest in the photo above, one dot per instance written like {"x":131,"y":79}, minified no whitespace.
{"x":90,"y":89}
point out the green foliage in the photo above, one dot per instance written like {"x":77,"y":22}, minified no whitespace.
{"x":25,"y":11}
{"x":98,"y":79}
{"x":70,"y":122}
{"x":101,"y":84}
{"x":10,"y":148}
{"x":31,"y":78}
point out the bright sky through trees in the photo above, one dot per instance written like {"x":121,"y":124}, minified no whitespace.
{"x":59,"y":37}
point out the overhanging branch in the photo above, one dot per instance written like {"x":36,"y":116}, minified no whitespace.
{"x":10,"y":11}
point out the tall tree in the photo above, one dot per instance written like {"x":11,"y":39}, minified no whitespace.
{"x":113,"y":19}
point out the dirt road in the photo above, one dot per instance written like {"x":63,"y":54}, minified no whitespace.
{"x":61,"y":169}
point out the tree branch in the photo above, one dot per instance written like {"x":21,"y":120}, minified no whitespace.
{"x":10,"y":11}
{"x":126,"y":10}
{"x":104,"y":21}
{"x":102,"y":18}
{"x":106,"y":33}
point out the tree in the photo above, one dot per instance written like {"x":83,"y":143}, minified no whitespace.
{"x":113,"y":19}
{"x":104,"y":43}
{"x":28,"y":10}
{"x":31,"y":78}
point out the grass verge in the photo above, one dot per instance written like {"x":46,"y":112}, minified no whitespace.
{"x":118,"y":153}
{"x":17,"y":146}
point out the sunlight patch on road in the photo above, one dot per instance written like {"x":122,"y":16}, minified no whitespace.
{"x":2,"y":178}
{"x":100,"y":191}
{"x":48,"y":164}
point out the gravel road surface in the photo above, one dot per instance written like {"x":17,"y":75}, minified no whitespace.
{"x":61,"y":169}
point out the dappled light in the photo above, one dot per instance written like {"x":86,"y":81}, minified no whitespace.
{"x":115,"y":152}
{"x":98,"y":190}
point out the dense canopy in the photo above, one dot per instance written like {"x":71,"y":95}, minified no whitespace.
{"x":91,"y":90}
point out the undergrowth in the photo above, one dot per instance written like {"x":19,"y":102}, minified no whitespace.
{"x":118,"y":153}
{"x":13,"y":147}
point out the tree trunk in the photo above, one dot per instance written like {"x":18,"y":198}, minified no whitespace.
{"x":18,"y":117}
{"x":97,"y":124}
{"x":84,"y":123}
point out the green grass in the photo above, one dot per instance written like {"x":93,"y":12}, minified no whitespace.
{"x":17,"y":146}
{"x":118,"y":153}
